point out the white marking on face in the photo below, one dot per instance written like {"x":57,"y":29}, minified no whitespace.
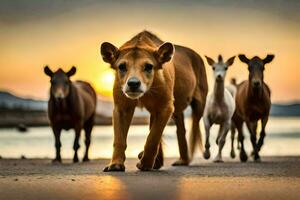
{"x":134,"y":94}
{"x":59,"y":93}
{"x":220,"y":69}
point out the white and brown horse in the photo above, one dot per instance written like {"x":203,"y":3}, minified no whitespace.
{"x":219,"y":107}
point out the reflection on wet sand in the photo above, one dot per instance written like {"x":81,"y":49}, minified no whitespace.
{"x":110,"y":187}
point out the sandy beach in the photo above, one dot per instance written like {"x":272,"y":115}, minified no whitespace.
{"x":274,"y":178}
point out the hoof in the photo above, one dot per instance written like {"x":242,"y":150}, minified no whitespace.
{"x":56,"y":161}
{"x":180,"y":162}
{"x":85,"y":159}
{"x":143,"y":167}
{"x":114,"y":168}
{"x":206,"y":154}
{"x":75,"y":160}
{"x":243,"y":156}
{"x":257,"y":158}
{"x":232,"y":154}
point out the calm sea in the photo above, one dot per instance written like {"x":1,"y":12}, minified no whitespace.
{"x":283,"y":138}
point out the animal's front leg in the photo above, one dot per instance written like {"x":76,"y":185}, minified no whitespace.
{"x":57,"y":132}
{"x":252,"y":126}
{"x":207,"y":125}
{"x":223,"y":132}
{"x":260,"y":142}
{"x":160,"y":119}
{"x":121,"y":120}
{"x":76,"y":145}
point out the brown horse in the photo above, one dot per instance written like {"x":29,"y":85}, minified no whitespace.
{"x":253,"y":104}
{"x":71,"y":105}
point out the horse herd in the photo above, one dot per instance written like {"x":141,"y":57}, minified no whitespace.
{"x":165,"y":79}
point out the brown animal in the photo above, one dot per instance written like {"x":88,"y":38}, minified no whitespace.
{"x":253,"y":104}
{"x":164,"y":79}
{"x":71,"y":105}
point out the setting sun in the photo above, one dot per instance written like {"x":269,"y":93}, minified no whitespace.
{"x":105,"y":82}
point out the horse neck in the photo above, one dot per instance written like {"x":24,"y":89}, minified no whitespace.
{"x":254,"y":96}
{"x":219,"y":91}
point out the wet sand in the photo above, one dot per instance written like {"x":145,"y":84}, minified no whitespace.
{"x":274,"y":178}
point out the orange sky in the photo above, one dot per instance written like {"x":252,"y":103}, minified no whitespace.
{"x":62,"y":35}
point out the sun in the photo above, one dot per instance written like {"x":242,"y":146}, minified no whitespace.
{"x":105,"y":82}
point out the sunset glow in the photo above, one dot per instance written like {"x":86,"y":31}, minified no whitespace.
{"x":105,"y":82}
{"x":62,"y":37}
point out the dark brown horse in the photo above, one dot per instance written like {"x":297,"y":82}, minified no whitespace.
{"x":253,"y":104}
{"x":71,"y":105}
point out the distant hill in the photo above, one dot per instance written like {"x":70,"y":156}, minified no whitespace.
{"x":291,"y":110}
{"x":16,"y":110}
{"x":9,"y":101}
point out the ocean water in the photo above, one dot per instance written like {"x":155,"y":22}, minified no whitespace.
{"x":283,"y":138}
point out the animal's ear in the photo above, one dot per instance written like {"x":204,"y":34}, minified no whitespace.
{"x":210,"y":61}
{"x":48,"y":71}
{"x":165,"y":52}
{"x":230,"y":61}
{"x":71,"y":72}
{"x":243,"y":58}
{"x":109,"y":52}
{"x":269,"y":58}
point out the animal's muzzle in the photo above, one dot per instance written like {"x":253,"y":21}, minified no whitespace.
{"x":133,"y":84}
{"x":256,"y":84}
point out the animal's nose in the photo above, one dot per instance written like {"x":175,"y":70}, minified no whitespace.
{"x":256,"y":83}
{"x":134,"y":83}
{"x":219,"y":77}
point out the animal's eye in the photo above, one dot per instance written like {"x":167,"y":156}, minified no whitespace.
{"x":226,"y":68}
{"x":148,"y":67}
{"x":214,"y":68}
{"x":122,"y":67}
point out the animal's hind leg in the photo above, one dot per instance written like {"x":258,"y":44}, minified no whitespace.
{"x":182,"y":143}
{"x":252,"y":126}
{"x":57,"y":132}
{"x":196,"y":138}
{"x":223,"y":132}
{"x":264,"y":122}
{"x":232,"y":153}
{"x":88,"y":126}
{"x":76,"y":145}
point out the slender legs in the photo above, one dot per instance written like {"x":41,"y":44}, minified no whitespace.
{"x":182,"y":143}
{"x":224,"y":128}
{"x":252,"y":126}
{"x":88,"y":126}
{"x":207,"y":125}
{"x":153,"y":142}
{"x":264,"y":122}
{"x":57,"y":132}
{"x":121,"y":120}
{"x":232,"y":152}
{"x":76,"y":145}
